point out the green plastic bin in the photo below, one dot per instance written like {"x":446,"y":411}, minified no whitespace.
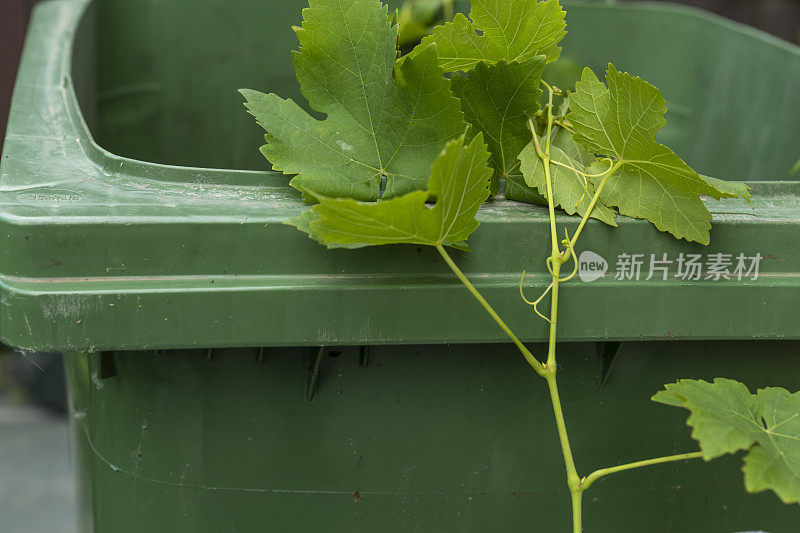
{"x":229,"y":374}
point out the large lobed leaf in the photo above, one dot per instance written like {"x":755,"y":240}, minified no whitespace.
{"x":385,"y":125}
{"x":726,"y":418}
{"x":459,"y":181}
{"x":621,"y":120}
{"x":498,"y":100}
{"x":515,"y":30}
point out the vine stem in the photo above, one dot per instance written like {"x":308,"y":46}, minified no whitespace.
{"x":556,"y":260}
{"x":597,"y":474}
{"x":537,"y":366}
{"x":573,"y":479}
{"x":577,"y":514}
{"x":551,"y":347}
{"x":548,"y":179}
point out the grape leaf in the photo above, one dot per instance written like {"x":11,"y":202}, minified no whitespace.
{"x":459,"y":180}
{"x":621,"y":121}
{"x":726,"y":418}
{"x":729,"y":189}
{"x":384,"y":127}
{"x":571,"y":191}
{"x":510,"y":30}
{"x":563,"y":140}
{"x":498,"y":100}
{"x":517,"y":189}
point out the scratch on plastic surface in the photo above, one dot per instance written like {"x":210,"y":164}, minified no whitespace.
{"x":181,"y":494}
{"x":364,"y":330}
{"x":81,"y":417}
{"x":61,"y":307}
{"x":367,"y":332}
{"x":137,"y":455}
{"x":326,"y":335}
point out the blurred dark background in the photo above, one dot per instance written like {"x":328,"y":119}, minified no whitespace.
{"x":14,"y":15}
{"x":37,"y":378}
{"x":778,"y":17}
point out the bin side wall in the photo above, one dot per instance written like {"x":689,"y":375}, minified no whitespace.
{"x":425,"y":438}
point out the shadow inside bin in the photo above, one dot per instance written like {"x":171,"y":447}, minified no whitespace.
{"x":168,"y":79}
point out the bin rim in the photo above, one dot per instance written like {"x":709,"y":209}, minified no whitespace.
{"x":106,"y":252}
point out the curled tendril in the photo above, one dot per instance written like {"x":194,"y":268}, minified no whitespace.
{"x":584,"y":176}
{"x":585,"y":188}
{"x":574,"y":268}
{"x":536,"y":303}
{"x":569,"y":249}
{"x":549,"y":264}
{"x":570,"y":167}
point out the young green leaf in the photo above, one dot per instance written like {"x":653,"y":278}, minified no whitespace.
{"x":621,"y":121}
{"x":726,"y":418}
{"x":384,"y":127}
{"x":510,"y":31}
{"x":571,"y":191}
{"x":459,"y":180}
{"x":498,"y":100}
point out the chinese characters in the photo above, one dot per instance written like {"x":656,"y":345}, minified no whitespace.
{"x":688,"y":267}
